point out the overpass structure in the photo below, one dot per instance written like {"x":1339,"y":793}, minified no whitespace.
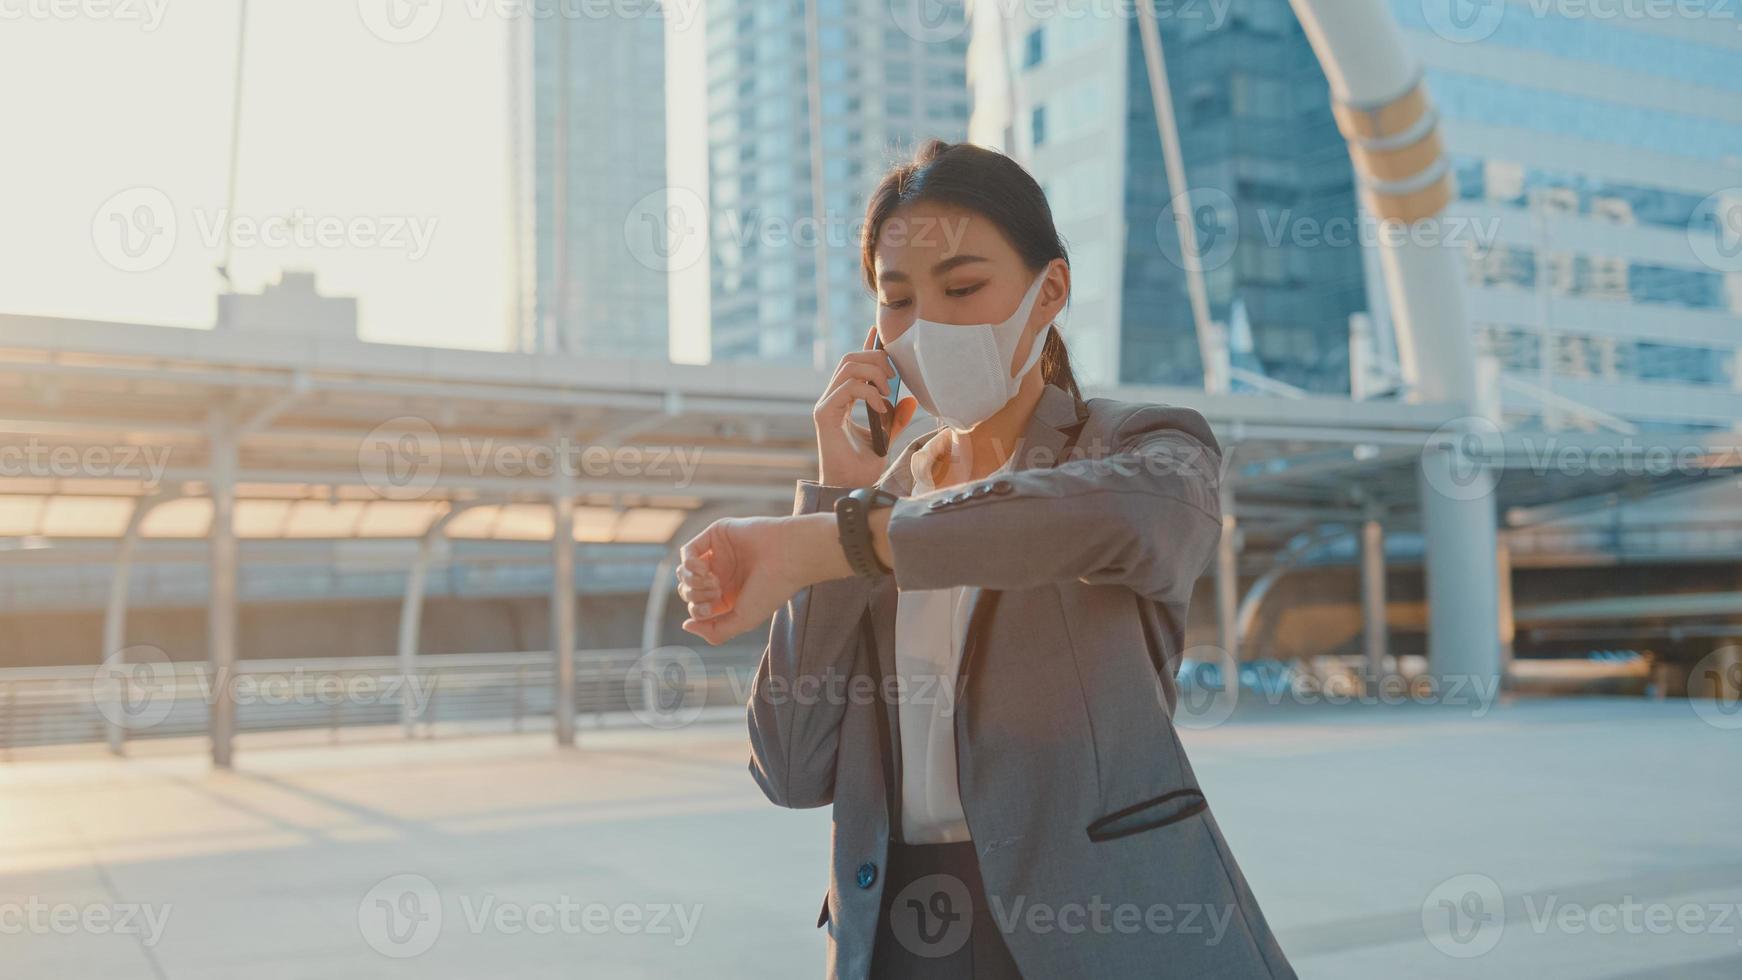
{"x":139,"y":440}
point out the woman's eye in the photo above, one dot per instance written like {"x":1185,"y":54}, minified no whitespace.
{"x":895,"y":304}
{"x":964,"y":290}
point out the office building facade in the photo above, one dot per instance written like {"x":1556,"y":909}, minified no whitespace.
{"x":886,"y":84}
{"x":1599,"y":165}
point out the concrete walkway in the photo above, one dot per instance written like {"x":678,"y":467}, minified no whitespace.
{"x":1590,"y":839}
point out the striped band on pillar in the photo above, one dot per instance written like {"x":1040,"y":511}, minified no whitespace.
{"x":1395,"y":146}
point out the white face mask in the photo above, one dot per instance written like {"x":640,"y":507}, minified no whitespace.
{"x":960,"y":373}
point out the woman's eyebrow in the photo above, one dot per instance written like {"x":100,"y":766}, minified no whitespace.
{"x":939,"y":269}
{"x":953,"y":261}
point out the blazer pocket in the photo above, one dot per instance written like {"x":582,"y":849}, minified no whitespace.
{"x":823,"y":916}
{"x":1149,"y":814}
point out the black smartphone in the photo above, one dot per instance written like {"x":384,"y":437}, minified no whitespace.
{"x":879,"y":427}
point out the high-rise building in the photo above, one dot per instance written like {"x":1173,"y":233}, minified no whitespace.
{"x":1599,"y":163}
{"x":1268,"y":183}
{"x":588,"y":119}
{"x":886,"y":84}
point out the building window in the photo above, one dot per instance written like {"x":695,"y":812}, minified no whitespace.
{"x":1036,"y":49}
{"x":1037,"y":126}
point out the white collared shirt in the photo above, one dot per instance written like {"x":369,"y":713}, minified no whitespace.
{"x":930,"y":625}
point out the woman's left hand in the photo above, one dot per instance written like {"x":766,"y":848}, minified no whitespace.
{"x":738,"y":571}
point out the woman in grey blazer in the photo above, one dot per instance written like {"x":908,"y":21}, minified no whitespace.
{"x":976,"y":666}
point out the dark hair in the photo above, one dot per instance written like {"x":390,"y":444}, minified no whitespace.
{"x":986,"y":182}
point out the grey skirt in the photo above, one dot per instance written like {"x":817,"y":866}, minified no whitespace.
{"x":935,"y":922}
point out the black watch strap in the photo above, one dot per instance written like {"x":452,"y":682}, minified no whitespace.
{"x":853,"y":527}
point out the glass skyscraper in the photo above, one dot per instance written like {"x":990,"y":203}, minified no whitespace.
{"x":591,"y":278}
{"x":887,"y":83}
{"x":1270,"y":185}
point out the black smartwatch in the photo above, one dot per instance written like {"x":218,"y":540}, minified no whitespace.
{"x":853,"y":526}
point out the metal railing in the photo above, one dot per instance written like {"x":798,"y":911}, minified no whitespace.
{"x":63,"y":705}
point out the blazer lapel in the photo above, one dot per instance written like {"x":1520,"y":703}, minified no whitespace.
{"x":1057,"y":419}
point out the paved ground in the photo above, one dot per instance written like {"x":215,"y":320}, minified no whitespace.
{"x":653,"y":854}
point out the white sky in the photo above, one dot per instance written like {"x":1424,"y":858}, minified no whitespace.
{"x":338,"y":124}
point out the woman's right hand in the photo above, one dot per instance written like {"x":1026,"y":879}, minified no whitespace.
{"x":843,"y":445}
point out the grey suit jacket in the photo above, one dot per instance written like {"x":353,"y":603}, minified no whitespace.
{"x":1097,"y":849}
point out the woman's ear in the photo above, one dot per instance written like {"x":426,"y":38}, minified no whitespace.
{"x":1055,"y":291}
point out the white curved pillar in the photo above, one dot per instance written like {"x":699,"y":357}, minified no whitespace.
{"x":1393,"y":133}
{"x":1405,"y":180}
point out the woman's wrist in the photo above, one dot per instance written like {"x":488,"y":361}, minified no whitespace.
{"x":817,"y":555}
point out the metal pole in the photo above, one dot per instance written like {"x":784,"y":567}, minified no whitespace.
{"x":411,"y":609}
{"x":1228,"y":591}
{"x":562,"y":591}
{"x":556,"y":311}
{"x":410,"y":628}
{"x":115,"y":619}
{"x":819,"y":198}
{"x":115,"y":614}
{"x":1508,"y":629}
{"x":1375,"y":632}
{"x":235,"y":142}
{"x":1545,"y":332}
{"x":221,"y":612}
{"x":658,"y":595}
{"x":1161,"y":94}
{"x":522,"y":332}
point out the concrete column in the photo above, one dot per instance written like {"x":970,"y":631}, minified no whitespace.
{"x":562,"y":593}
{"x":221,"y":607}
{"x":1228,"y":590}
{"x":1458,"y":525}
{"x":1375,"y":632}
